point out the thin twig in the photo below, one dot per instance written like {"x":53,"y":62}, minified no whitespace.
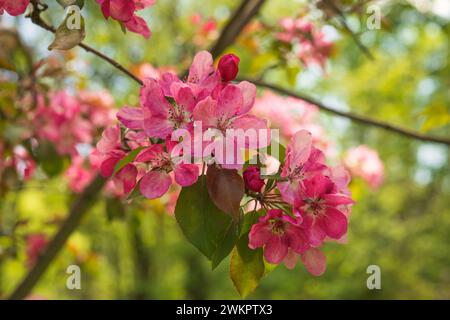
{"x":352,"y":116}
{"x":37,"y":20}
{"x":343,"y":21}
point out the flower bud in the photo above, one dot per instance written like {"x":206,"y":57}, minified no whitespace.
{"x":228,"y":67}
{"x":252,"y":179}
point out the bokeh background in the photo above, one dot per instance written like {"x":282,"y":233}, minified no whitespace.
{"x":136,"y":250}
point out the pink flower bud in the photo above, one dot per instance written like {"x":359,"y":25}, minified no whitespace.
{"x":229,"y":67}
{"x":252,"y":179}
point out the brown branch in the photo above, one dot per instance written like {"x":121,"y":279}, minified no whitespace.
{"x":352,"y":116}
{"x":77,"y":210}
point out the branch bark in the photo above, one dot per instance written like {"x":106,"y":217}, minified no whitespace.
{"x":352,"y":116}
{"x":77,"y":211}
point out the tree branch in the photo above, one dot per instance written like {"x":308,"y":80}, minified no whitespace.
{"x":77,"y":210}
{"x":352,"y":116}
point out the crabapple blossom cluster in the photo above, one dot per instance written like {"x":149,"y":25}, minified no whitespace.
{"x":13,"y":7}
{"x":309,"y":205}
{"x":169,"y":104}
{"x":306,"y":204}
{"x":124,"y":11}
{"x":306,"y":42}
{"x":205,"y":29}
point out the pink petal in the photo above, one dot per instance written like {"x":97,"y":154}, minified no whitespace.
{"x":314,"y":261}
{"x":183,"y":95}
{"x":107,"y":166}
{"x":259,"y":125}
{"x":186,"y":174}
{"x":127,"y":177}
{"x":230,"y":101}
{"x":201,"y":67}
{"x":337,"y":199}
{"x":334,"y":223}
{"x":138,"y":25}
{"x":152,"y":98}
{"x":155,"y":184}
{"x":275,"y":250}
{"x":291,"y":259}
{"x":158,"y":126}
{"x":150,"y":153}
{"x":121,"y":10}
{"x":259,"y":235}
{"x":132,"y":118}
{"x":248,"y":94}
{"x":299,"y":148}
{"x":205,"y":111}
{"x":15,"y":7}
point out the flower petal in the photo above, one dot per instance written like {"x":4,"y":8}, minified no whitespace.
{"x":186,"y":174}
{"x":248,"y":94}
{"x":132,"y":118}
{"x":276,"y":249}
{"x":201,"y":67}
{"x":314,"y":261}
{"x":334,"y":223}
{"x":155,"y":184}
{"x":127,"y":178}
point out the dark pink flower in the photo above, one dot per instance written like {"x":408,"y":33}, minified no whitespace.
{"x":252,"y":178}
{"x":318,"y":204}
{"x":228,"y":67}
{"x":14,"y":7}
{"x":124,"y":11}
{"x":277,"y":233}
{"x":156,"y":182}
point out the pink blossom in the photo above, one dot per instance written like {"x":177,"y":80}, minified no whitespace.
{"x":318,"y":204}
{"x":365,"y":163}
{"x":302,"y":162}
{"x":156,"y":182}
{"x":14,"y":7}
{"x":124,"y":11}
{"x":252,"y":179}
{"x":277,"y":233}
{"x":78,"y":175}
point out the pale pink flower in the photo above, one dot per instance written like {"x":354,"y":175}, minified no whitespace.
{"x":302,"y":162}
{"x":78,"y":175}
{"x":365,"y":162}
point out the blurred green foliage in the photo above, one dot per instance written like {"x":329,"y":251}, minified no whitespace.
{"x":404,"y":227}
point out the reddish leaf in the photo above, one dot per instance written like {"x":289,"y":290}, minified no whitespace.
{"x":226,"y":189}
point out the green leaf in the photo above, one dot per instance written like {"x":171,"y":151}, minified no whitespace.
{"x":66,"y":3}
{"x":70,"y":33}
{"x":126,"y":160}
{"x":226,"y":244}
{"x":246,"y":267}
{"x":210,"y":230}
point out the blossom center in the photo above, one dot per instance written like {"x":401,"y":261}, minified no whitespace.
{"x":277,"y":226}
